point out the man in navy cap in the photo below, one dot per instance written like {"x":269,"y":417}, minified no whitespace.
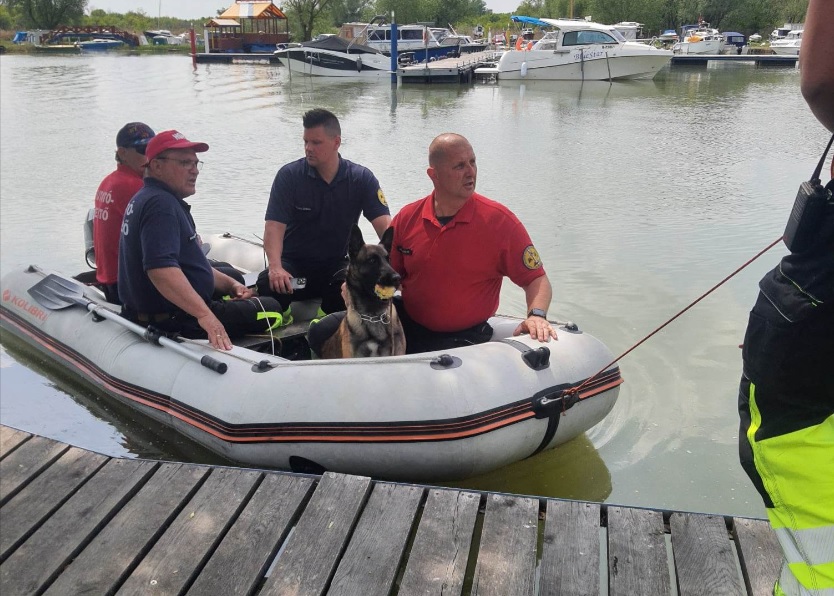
{"x":112,"y":197}
{"x":164,"y":277}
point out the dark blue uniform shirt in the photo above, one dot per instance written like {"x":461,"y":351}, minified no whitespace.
{"x":319,"y":216}
{"x":158,"y":231}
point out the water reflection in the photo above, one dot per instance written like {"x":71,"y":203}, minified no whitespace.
{"x":43,"y":399}
{"x":574,"y":470}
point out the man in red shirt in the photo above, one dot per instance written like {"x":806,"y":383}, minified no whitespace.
{"x":112,"y":197}
{"x":453,"y":249}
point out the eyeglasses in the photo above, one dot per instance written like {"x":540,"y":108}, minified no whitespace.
{"x":185,"y":163}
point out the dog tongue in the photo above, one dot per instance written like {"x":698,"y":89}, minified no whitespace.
{"x":384,"y":292}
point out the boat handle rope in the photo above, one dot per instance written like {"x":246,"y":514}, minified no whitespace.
{"x":573,"y":391}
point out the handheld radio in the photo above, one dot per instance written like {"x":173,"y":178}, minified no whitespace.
{"x":808,"y":211}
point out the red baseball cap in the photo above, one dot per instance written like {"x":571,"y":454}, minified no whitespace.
{"x":171,"y":139}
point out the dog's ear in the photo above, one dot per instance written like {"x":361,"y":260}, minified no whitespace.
{"x":387,"y":240}
{"x":356,"y":242}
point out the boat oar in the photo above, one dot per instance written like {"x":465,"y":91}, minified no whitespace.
{"x":55,"y":292}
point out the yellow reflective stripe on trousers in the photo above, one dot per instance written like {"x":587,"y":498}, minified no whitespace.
{"x":797,"y":471}
{"x":271,"y":315}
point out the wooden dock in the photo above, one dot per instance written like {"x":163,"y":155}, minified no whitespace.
{"x":76,"y":522}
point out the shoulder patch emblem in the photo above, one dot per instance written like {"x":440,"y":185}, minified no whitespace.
{"x":531,"y":258}
{"x":381,"y":196}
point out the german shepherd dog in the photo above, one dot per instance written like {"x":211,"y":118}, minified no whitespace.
{"x":371,"y":326}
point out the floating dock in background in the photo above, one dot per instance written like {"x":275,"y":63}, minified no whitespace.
{"x":759,"y":59}
{"x":446,"y":70}
{"x":80,"y":522}
{"x":235,"y":58}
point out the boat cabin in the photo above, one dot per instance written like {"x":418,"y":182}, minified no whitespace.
{"x":248,"y":26}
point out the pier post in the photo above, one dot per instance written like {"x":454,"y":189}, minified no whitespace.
{"x":393,"y":50}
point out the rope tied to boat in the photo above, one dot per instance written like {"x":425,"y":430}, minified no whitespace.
{"x":576,"y":390}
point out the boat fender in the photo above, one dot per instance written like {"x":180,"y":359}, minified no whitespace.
{"x":524,"y":69}
{"x":359,"y":63}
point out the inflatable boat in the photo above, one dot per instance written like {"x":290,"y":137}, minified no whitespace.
{"x":423,"y":417}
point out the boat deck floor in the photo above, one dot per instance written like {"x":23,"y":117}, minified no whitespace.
{"x":77,"y":522}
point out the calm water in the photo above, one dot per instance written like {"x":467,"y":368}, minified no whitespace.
{"x":639,"y":197}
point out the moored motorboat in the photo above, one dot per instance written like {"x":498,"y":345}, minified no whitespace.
{"x":699,"y":39}
{"x":334,"y":56}
{"x":99,"y":45}
{"x":788,"y":45}
{"x":433,"y":416}
{"x":580,"y":50}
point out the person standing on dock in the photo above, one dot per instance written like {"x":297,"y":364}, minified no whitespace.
{"x":314,"y":203}
{"x":112,"y":197}
{"x":164,"y":277}
{"x":786,"y":397}
{"x":453,"y":249}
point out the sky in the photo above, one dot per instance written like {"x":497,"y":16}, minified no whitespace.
{"x":192,"y":9}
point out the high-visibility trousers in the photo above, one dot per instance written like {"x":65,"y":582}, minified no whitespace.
{"x":794,"y":472}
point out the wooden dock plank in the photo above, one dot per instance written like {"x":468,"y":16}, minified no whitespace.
{"x":10,"y":438}
{"x":759,"y":553}
{"x":39,"y":559}
{"x":26,"y":462}
{"x":312,"y":552}
{"x":637,"y":561}
{"x":570,"y":553}
{"x":440,"y":553}
{"x":240,"y":562}
{"x":103,"y":564}
{"x":31,"y":506}
{"x":703,"y":556}
{"x":370,"y":563}
{"x":507,"y":559}
{"x":172,"y":563}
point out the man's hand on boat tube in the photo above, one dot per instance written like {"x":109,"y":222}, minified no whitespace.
{"x":280,"y":280}
{"x":241,"y":292}
{"x":538,"y":327}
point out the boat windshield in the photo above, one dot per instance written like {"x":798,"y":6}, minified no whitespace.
{"x":587,"y":37}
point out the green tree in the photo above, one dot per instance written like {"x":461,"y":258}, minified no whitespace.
{"x":305,"y":13}
{"x":349,"y":11}
{"x":48,"y":14}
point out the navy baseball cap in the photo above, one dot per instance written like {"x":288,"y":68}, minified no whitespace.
{"x":134,"y":135}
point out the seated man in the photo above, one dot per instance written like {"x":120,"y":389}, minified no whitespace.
{"x":453,"y":249}
{"x":314,"y":203}
{"x":164,"y":277}
{"x":112,"y":197}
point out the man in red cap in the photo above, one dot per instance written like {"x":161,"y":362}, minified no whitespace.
{"x":112,"y":197}
{"x":164,"y":277}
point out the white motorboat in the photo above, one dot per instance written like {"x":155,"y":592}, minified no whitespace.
{"x":332,"y":56}
{"x":700,"y":39}
{"x":580,"y":50}
{"x":788,"y":45}
{"x":423,"y":42}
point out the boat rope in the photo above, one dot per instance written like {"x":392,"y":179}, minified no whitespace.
{"x":577,"y":389}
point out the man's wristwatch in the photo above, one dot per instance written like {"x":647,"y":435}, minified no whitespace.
{"x":537,"y":312}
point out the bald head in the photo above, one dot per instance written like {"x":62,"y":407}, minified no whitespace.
{"x":443,"y":145}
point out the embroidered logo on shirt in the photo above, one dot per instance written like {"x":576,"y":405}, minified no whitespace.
{"x":531,"y":258}
{"x":402,"y":250}
{"x":381,"y":196}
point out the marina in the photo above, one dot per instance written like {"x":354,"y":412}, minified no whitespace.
{"x":76,"y":522}
{"x":626,"y":244}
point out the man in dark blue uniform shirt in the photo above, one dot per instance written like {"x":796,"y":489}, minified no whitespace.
{"x":164,"y":277}
{"x":313,"y":205}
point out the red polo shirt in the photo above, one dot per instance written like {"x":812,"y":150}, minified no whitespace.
{"x":452,"y":274}
{"x":112,"y":197}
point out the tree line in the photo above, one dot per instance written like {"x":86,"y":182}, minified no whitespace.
{"x":308,"y":18}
